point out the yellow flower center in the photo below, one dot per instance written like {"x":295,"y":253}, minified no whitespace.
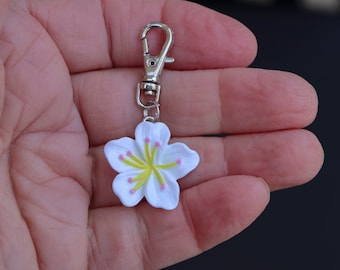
{"x":148,"y":166}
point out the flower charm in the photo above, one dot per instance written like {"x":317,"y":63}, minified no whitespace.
{"x":149,"y":166}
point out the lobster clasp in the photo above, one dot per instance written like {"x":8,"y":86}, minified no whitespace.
{"x":154,"y":65}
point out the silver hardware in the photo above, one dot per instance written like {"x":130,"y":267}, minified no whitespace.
{"x":148,"y":91}
{"x":153,"y":113}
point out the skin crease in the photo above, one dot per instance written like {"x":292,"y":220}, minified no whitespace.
{"x":67,"y":84}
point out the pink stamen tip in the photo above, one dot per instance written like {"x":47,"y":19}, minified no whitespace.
{"x":121,"y":157}
{"x":132,"y":191}
{"x":130,"y":180}
{"x":179,"y":161}
{"x":163,"y":186}
{"x":129,"y":153}
{"x":158,"y":144}
{"x":147,"y":140}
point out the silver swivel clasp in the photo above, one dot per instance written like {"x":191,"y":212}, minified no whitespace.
{"x":148,"y":91}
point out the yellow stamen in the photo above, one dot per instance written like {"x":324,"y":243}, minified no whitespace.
{"x":147,"y":153}
{"x":167,"y":166}
{"x":137,"y":160}
{"x":142,"y":178}
{"x":133,"y":164}
{"x":153,"y":153}
{"x":159,"y":177}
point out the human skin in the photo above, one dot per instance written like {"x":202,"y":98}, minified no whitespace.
{"x":67,"y":85}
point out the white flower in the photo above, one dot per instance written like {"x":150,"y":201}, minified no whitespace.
{"x":149,"y":166}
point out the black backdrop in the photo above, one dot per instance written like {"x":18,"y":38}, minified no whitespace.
{"x":300,"y":227}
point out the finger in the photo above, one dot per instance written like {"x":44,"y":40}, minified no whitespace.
{"x":196,"y":102}
{"x":208,"y":214}
{"x":106,"y":33}
{"x":284,"y":159}
{"x":2,"y":87}
{"x":3,"y":11}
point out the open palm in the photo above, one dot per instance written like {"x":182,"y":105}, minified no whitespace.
{"x":70,"y":68}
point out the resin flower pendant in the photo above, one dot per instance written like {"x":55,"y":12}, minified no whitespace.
{"x":149,"y":167}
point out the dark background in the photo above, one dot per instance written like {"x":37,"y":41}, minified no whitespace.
{"x":300,"y":227}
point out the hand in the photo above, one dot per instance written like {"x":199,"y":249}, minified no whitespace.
{"x":68,"y":81}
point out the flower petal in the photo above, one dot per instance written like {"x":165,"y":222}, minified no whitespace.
{"x":186,"y":159}
{"x":123,"y":188}
{"x":155,"y":133}
{"x":116,"y":150}
{"x":162,"y":196}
